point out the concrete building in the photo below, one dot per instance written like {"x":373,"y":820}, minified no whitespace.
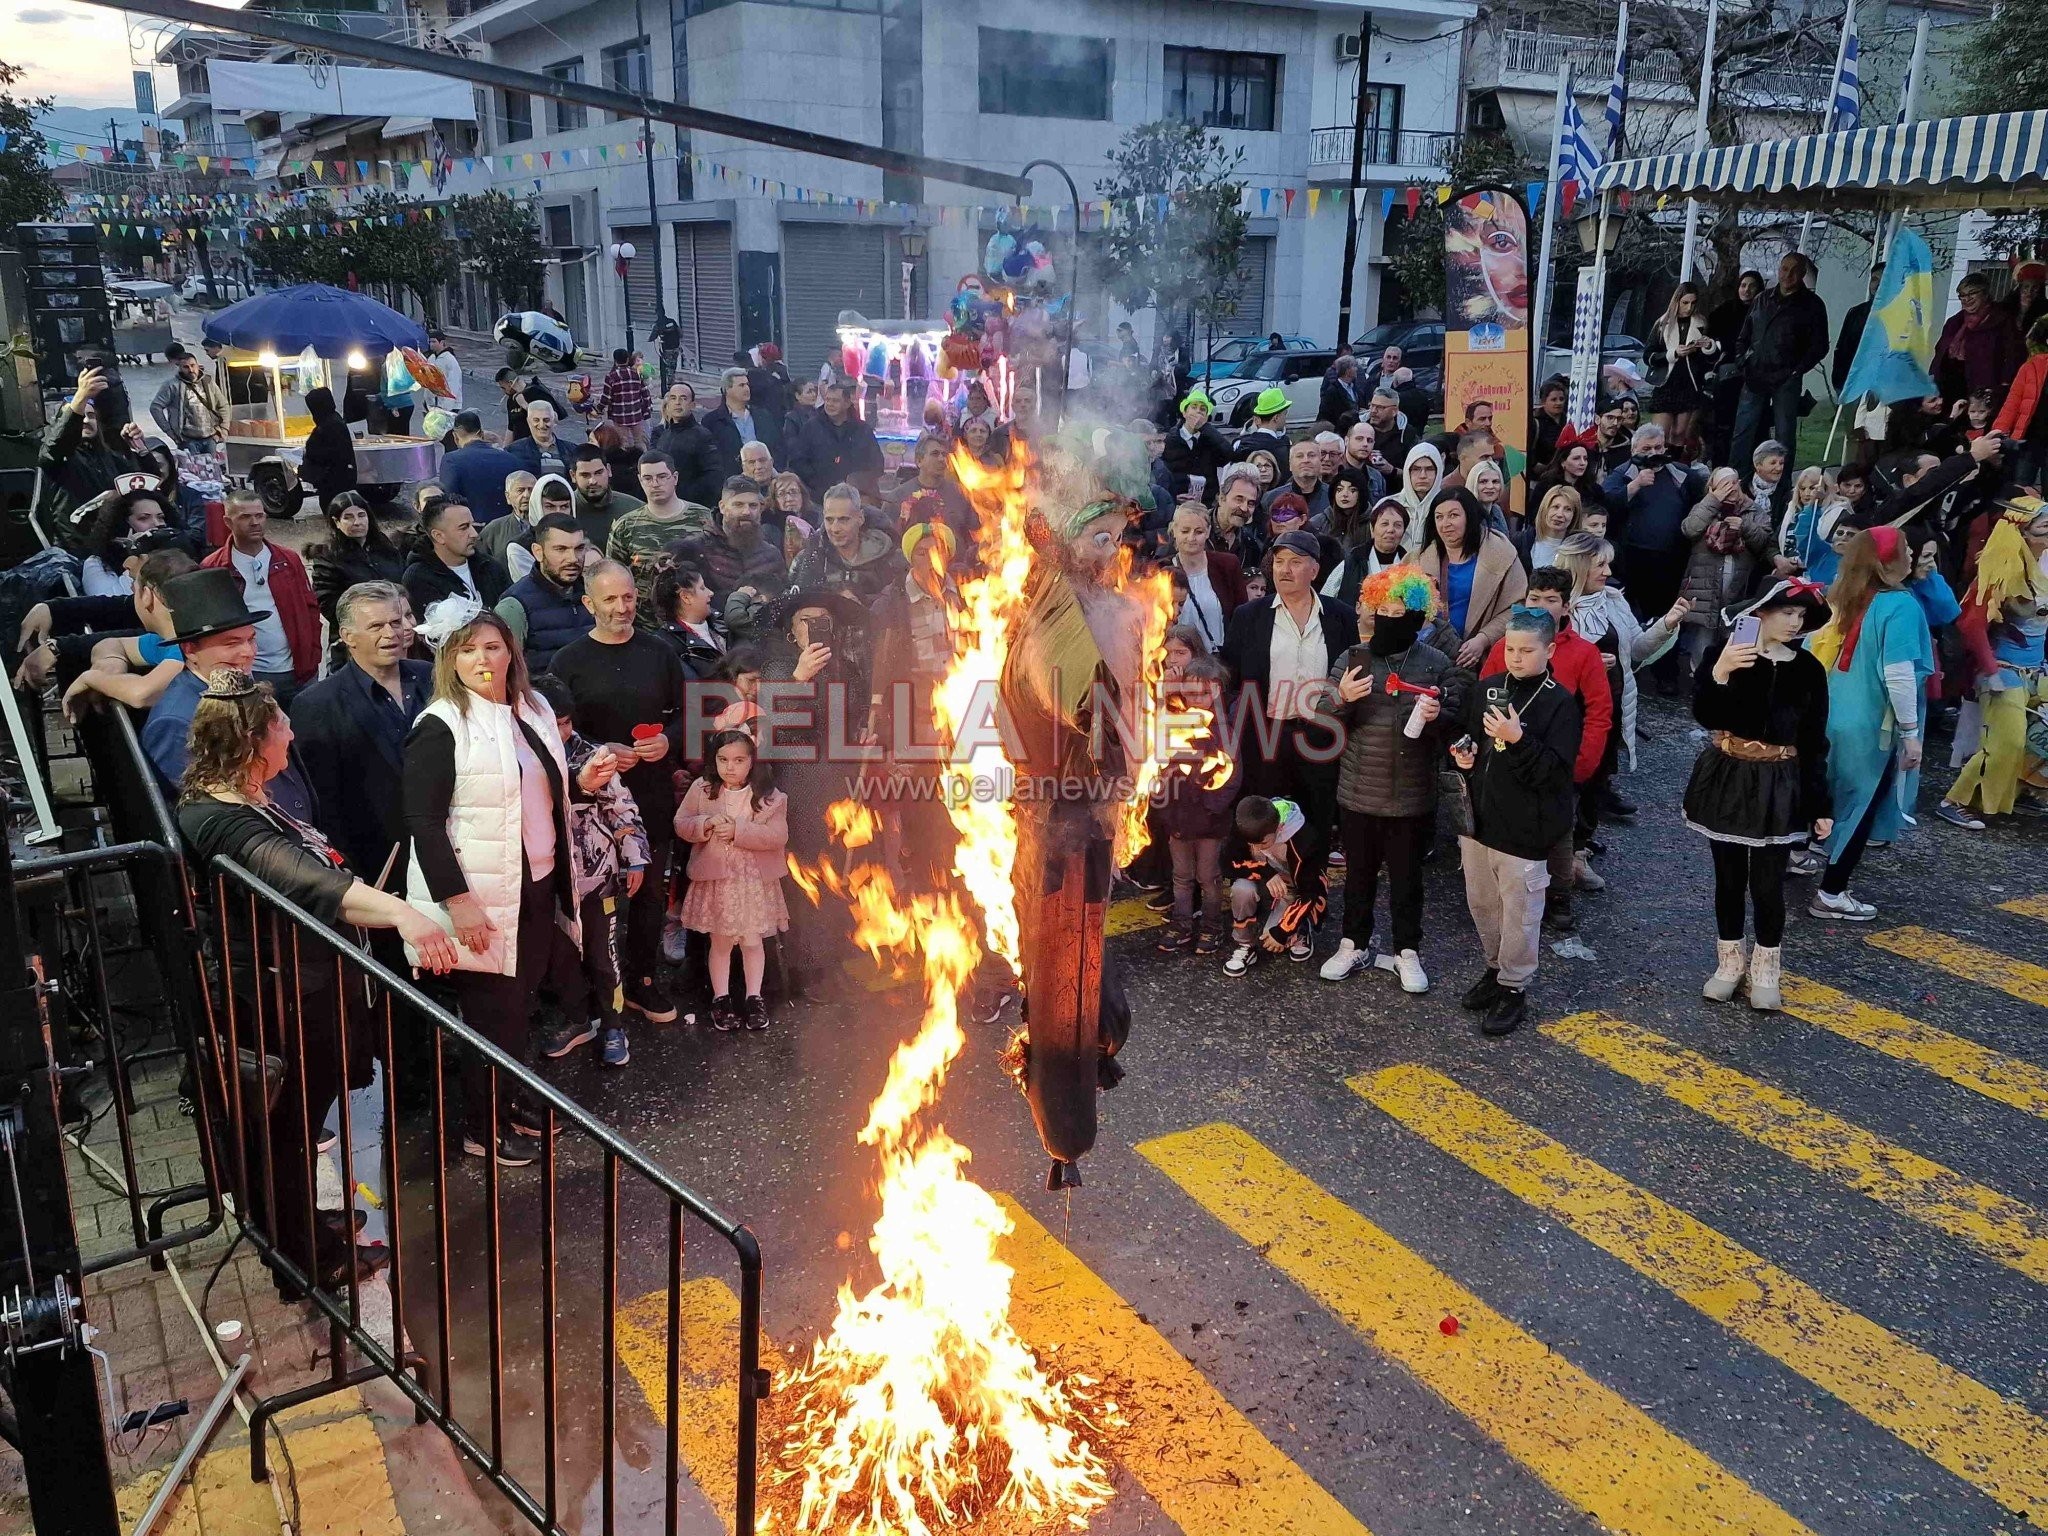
{"x":752,"y":253}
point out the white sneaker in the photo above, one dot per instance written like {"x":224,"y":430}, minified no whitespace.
{"x":1408,"y":966}
{"x":1348,"y":959}
{"x":1242,"y":958}
{"x":1843,"y":908}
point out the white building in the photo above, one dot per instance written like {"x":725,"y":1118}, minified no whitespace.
{"x":750,"y":254}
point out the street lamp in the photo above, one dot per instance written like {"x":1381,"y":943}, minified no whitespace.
{"x":622,"y":253}
{"x":912,"y":243}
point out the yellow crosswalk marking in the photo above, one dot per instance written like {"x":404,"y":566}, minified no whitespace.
{"x":1987,"y":967}
{"x":2007,"y":1079}
{"x":1914,"y":1186}
{"x":2027,"y":906}
{"x":1955,"y":1420}
{"x":1204,"y":1463}
{"x":1587,"y":1442}
{"x":708,"y":1424}
{"x":1131,"y":916}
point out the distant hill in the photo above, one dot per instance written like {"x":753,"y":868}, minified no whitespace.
{"x":88,"y":125}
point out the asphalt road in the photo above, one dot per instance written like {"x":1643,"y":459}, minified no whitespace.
{"x":1712,"y":1271}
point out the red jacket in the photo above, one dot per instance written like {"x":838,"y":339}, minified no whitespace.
{"x":291,"y":595}
{"x":1582,"y":672}
{"x":2017,"y":414}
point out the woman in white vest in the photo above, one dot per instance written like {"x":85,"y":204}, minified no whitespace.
{"x":486,"y":808}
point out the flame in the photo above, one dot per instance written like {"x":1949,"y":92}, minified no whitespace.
{"x":923,"y":1408}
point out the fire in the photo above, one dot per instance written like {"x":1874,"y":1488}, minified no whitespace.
{"x":923,"y":1408}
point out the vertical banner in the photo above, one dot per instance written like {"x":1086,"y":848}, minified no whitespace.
{"x":1486,"y":319}
{"x":1582,"y":402}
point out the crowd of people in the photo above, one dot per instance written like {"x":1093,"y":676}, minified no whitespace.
{"x":566,"y":732}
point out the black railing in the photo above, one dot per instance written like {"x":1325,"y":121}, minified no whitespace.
{"x":293,"y":1038}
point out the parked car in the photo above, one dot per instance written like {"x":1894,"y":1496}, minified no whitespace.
{"x":1227,"y":353}
{"x":1300,"y":374}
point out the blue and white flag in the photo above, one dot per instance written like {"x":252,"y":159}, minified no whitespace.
{"x":1847,"y":109}
{"x":1576,"y":159}
{"x":1617,"y":87}
{"x":1898,"y":338}
{"x":1906,"y":95}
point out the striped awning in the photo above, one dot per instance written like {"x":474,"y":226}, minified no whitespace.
{"x":1992,"y":161}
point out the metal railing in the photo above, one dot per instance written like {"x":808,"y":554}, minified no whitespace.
{"x":1521,"y":52}
{"x":1383,"y":146}
{"x":290,"y":1031}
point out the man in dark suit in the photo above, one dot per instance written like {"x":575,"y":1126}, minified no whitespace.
{"x":1281,"y":650}
{"x":351,"y":728}
{"x":733,"y":423}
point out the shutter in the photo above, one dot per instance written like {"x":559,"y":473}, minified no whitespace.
{"x":827,"y":268}
{"x":1248,"y":291}
{"x":706,"y":306}
{"x":640,"y":279}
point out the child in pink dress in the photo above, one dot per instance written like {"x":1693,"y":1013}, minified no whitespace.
{"x":739,"y":823}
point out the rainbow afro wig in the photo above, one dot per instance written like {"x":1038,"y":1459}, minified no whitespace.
{"x":1403,"y":584}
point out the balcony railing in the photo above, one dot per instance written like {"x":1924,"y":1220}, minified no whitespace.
{"x":1798,"y":88}
{"x":1383,"y":146}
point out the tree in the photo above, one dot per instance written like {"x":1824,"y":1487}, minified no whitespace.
{"x":27,"y":188}
{"x":2002,"y":67}
{"x":1416,"y":256}
{"x":1179,"y":263}
{"x":399,"y":242}
{"x":500,"y":236}
{"x":319,"y":257}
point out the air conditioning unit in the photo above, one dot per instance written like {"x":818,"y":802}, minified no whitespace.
{"x":1347,"y":47}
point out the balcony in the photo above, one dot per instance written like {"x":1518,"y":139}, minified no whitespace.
{"x":1530,"y":61}
{"x":1391,"y":154}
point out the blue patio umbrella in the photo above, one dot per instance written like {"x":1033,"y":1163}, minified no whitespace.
{"x":332,"y":321}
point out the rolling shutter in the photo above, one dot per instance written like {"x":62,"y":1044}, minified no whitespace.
{"x":1248,"y":291}
{"x":706,"y":307}
{"x":827,"y":268}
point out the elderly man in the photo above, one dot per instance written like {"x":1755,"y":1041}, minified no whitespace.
{"x":370,"y":702}
{"x":628,"y":688}
{"x":542,"y":449}
{"x":757,"y":464}
{"x":641,"y":538}
{"x":1331,"y":446}
{"x":508,"y":541}
{"x":1784,"y":334}
{"x":191,"y":409}
{"x":545,"y":607}
{"x":688,"y":443}
{"x":836,"y":446}
{"x":733,"y":424}
{"x":1305,"y":479}
{"x":1342,"y":394}
{"x":1281,"y":650}
{"x":598,"y":506}
{"x":288,"y":633}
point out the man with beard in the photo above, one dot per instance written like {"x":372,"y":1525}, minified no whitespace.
{"x":78,"y":462}
{"x":1076,"y":657}
{"x":545,"y":607}
{"x":738,"y":556}
{"x":688,"y":443}
{"x":598,"y":506}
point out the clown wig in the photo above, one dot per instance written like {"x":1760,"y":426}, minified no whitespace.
{"x":1403,"y":584}
{"x":2006,"y":570}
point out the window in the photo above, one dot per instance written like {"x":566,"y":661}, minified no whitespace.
{"x":515,"y":116}
{"x":1035,"y":74}
{"x":1382,"y":123}
{"x":629,"y":67}
{"x":569,"y":115}
{"x":1222,"y":90}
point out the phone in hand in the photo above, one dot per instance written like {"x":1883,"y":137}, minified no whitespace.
{"x":1748,"y":630}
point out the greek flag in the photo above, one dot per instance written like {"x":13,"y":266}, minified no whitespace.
{"x":1906,"y":95}
{"x":1848,"y":107}
{"x":1576,"y":160}
{"x":1617,"y":87}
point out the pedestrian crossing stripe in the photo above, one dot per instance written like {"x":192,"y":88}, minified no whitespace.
{"x":1130,"y":916}
{"x":2018,"y":1084}
{"x":2027,"y":906}
{"x":1914,"y":1186}
{"x":1989,"y":1442}
{"x":708,"y":1419}
{"x":1205,"y":1464}
{"x":1970,"y":962}
{"x":1588,"y":1443}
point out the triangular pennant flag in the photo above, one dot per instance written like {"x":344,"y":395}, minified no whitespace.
{"x":1567,"y":195}
{"x":318,"y":174}
{"x":106,"y":229}
{"x":156,"y":159}
{"x":1386,"y":202}
{"x":363,"y":169}
{"x":1314,"y":196}
{"x":1265,"y":199}
{"x":1443,"y":195}
{"x":1624,"y":197}
{"x":527,"y":160}
{"x":1535,"y":195}
{"x":1288,"y":198}
{"x":1413,"y":197}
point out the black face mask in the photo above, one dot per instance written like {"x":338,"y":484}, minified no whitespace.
{"x":1392,"y":636}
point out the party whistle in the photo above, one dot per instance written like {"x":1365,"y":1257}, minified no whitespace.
{"x":1396,"y":685}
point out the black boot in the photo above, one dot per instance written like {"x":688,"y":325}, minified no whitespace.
{"x":1509,"y":1008}
{"x":1483,"y":991}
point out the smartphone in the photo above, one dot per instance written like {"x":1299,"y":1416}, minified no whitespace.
{"x":1465,"y":743}
{"x":1747,"y":630}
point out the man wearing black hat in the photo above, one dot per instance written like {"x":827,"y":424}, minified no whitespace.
{"x":213,"y":627}
{"x":1282,"y":649}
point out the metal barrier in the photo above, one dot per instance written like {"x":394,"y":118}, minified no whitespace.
{"x":296,"y":995}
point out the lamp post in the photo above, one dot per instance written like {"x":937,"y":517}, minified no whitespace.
{"x":622,"y":253}
{"x":911,"y":242}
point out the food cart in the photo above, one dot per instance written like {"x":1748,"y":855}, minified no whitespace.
{"x":142,"y":317}
{"x":301,"y":338}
